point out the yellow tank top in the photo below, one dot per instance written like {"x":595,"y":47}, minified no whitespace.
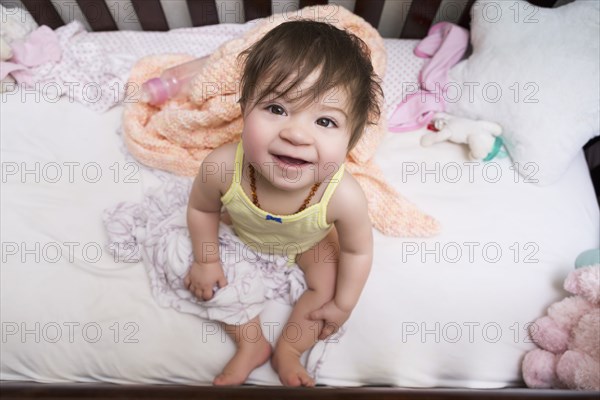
{"x":284,"y":235}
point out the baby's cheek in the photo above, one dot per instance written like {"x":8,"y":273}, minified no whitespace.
{"x":252,"y":141}
{"x":327,"y":170}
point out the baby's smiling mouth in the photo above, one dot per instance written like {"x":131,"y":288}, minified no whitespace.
{"x":291,"y":160}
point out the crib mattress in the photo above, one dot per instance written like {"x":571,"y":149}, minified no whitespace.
{"x":448,"y":311}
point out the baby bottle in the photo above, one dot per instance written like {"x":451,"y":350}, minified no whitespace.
{"x":171,"y":83}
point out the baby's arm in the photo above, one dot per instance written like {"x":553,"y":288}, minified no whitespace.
{"x":350,"y":215}
{"x":356,"y":242}
{"x":203,"y":214}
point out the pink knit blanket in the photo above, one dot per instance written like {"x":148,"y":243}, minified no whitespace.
{"x":179,"y":134}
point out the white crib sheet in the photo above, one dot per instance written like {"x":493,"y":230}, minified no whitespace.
{"x":448,"y":311}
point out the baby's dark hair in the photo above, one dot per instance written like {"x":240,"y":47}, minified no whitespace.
{"x":290,"y":52}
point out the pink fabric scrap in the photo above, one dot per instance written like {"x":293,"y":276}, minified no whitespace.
{"x":41,"y":46}
{"x":445,"y":45}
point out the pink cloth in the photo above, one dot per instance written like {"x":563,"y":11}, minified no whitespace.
{"x":40,"y":47}
{"x":445,"y":45}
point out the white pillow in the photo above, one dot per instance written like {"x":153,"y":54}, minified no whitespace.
{"x":535,"y":71}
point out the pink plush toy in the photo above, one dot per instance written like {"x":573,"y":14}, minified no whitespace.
{"x":569,"y":337}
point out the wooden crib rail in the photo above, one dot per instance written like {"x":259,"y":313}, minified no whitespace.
{"x":74,"y":391}
{"x":151,"y":16}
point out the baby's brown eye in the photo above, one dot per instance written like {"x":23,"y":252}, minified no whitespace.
{"x":326,"y":122}
{"x":275,"y":109}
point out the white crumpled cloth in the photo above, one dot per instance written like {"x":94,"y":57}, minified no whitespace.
{"x":156,"y":232}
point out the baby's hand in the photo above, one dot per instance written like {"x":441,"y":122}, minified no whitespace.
{"x":202,"y":278}
{"x":333,"y":317}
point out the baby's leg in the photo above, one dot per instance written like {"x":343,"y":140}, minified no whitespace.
{"x":253,"y":350}
{"x":300,"y":333}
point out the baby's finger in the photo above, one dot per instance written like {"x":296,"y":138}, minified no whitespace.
{"x":186,"y":282}
{"x":222,"y":282}
{"x":325,"y":333}
{"x":328,"y":330}
{"x":207,"y":294}
{"x":195,"y":291}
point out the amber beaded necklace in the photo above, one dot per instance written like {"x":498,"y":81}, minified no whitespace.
{"x":313,"y":190}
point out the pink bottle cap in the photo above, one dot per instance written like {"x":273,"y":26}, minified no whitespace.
{"x":155,"y":92}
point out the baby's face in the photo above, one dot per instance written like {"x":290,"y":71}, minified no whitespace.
{"x":295,"y":147}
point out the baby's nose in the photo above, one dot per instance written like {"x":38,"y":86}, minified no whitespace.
{"x":296,"y":134}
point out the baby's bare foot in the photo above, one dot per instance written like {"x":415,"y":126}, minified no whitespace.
{"x":247,"y":357}
{"x":286,"y":362}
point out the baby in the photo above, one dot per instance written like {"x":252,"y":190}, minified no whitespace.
{"x":308,"y":90}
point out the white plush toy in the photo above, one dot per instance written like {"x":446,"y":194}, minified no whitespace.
{"x":15,"y":23}
{"x":482,"y":137}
